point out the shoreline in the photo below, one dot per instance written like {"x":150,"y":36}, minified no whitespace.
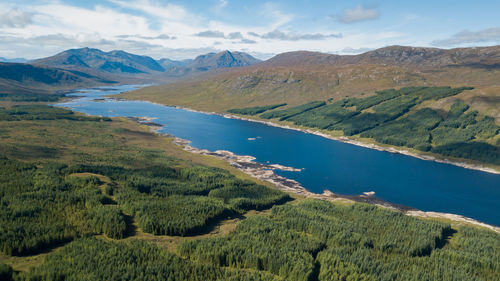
{"x":265,"y":172}
{"x":344,"y":139}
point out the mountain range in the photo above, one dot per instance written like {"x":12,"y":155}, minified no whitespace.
{"x":237,"y":79}
{"x":18,"y":60}
{"x":20,"y":78}
{"x":92,"y":67}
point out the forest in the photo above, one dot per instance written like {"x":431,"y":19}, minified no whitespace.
{"x":78,"y":201}
{"x":255,"y":110}
{"x":392,"y":117}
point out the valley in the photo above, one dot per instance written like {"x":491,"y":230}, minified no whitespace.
{"x":90,"y":193}
{"x":105,"y":185}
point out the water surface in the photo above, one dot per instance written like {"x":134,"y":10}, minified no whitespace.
{"x":327,"y":164}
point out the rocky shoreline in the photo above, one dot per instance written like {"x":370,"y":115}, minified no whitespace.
{"x":349,"y":141}
{"x":265,"y":172}
{"x":367,"y":145}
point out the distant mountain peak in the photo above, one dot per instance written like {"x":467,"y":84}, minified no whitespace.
{"x":222,"y":59}
{"x":117,"y":61}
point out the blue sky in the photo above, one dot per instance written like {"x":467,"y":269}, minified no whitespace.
{"x":184,"y":29}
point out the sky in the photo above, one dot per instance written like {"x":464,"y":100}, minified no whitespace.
{"x":184,"y":29}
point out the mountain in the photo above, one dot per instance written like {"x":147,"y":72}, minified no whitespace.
{"x":211,"y":61}
{"x":299,"y":77}
{"x":18,"y":60}
{"x":22,"y":78}
{"x":168,"y":63}
{"x":122,"y":66}
{"x":86,"y":67}
{"x":115,"y":62}
{"x":481,"y":57}
{"x":223,"y":59}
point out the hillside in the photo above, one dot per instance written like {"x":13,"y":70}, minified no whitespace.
{"x":480,"y":57}
{"x":18,"y":78}
{"x":168,"y":63}
{"x":299,"y":77}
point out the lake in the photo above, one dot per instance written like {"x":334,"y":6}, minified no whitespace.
{"x":327,"y":164}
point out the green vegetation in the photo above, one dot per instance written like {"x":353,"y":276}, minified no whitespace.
{"x":317,"y":240}
{"x":43,"y":207}
{"x":30,"y":97}
{"x":254,"y":110}
{"x":94,"y":259}
{"x":5,"y":272}
{"x":244,"y":196}
{"x":326,"y":116}
{"x":290,"y":112}
{"x":91,"y":189}
{"x":389,"y":117}
{"x":167,"y":201}
{"x":42,"y":112}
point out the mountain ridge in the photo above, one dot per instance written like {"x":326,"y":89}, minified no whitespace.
{"x":28,"y":78}
{"x":396,"y":55}
{"x":116,"y":62}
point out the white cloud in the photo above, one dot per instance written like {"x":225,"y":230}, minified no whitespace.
{"x":485,"y":35}
{"x":350,"y":50}
{"x":160,"y":36}
{"x":290,"y":36}
{"x":221,"y":4}
{"x":210,"y":34}
{"x":168,"y":11}
{"x":247,"y":41}
{"x":235,"y":35}
{"x":15,"y":18}
{"x":273,"y":13}
{"x":157,"y":29}
{"x":357,"y":14}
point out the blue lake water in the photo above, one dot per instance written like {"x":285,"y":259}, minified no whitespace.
{"x":327,"y":164}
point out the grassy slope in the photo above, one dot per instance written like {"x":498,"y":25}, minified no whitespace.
{"x":263,"y":85}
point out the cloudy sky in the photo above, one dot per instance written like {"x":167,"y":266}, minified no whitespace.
{"x":183,"y":29}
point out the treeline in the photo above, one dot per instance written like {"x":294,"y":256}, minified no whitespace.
{"x":95,"y":259}
{"x":43,"y":112}
{"x":254,"y":110}
{"x":287,"y":113}
{"x":388,"y":118}
{"x":30,"y":97}
{"x":317,"y":240}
